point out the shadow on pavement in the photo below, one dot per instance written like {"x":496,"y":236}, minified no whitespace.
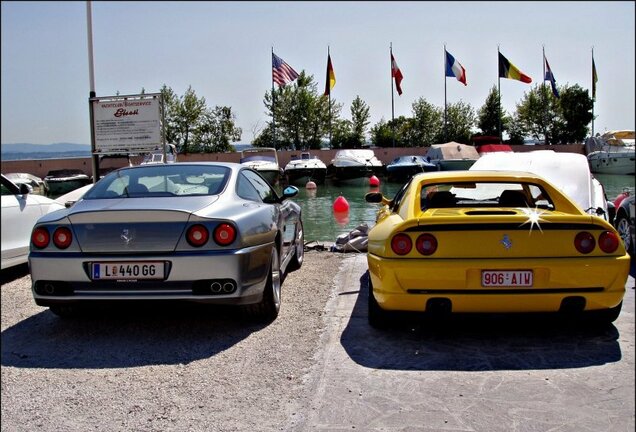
{"x":121,"y":337}
{"x":477,"y":342}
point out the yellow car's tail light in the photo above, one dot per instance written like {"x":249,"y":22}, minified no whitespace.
{"x":62,"y":237}
{"x":608,"y":242}
{"x":197,"y":235}
{"x":426,"y":244}
{"x":401,"y":244}
{"x":584,"y":242}
{"x":224,"y":234}
{"x":40,"y":238}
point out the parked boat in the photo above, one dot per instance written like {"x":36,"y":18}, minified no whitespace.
{"x":158,"y":156}
{"x":404,"y":167}
{"x":59,"y":182}
{"x":569,"y":172}
{"x":265,"y":161}
{"x":452,"y":156}
{"x":354,"y":166}
{"x":37,"y":184}
{"x":612,"y":153}
{"x":304,"y":168}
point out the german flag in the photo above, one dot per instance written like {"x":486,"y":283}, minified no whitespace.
{"x":331,"y":77}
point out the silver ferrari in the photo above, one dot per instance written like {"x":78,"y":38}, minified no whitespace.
{"x":204,"y":232}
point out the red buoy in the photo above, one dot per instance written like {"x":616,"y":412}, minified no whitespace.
{"x":374,"y":181}
{"x":340,"y":204}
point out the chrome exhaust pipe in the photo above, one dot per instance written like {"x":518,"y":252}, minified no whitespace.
{"x":228,"y":287}
{"x":215,"y":287}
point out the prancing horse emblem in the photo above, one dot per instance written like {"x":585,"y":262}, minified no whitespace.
{"x":126,"y":236}
{"x":506,"y":242}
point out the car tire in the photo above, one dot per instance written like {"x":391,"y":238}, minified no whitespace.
{"x":624,"y":231}
{"x":378,"y":317}
{"x":299,"y":253}
{"x":606,"y":316}
{"x":64,"y":311}
{"x":267,"y":309}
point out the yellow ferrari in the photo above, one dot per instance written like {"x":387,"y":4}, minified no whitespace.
{"x":491,"y":242}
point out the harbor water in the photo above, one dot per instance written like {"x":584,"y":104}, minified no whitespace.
{"x":322,"y":224}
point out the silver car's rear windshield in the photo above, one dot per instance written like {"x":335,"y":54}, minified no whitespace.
{"x":161,"y":181}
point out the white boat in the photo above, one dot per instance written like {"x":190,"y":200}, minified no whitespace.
{"x":569,"y":172}
{"x":354,"y":166}
{"x":36,"y":183}
{"x":612,"y":153}
{"x":59,"y":182}
{"x":265,"y":161}
{"x":157,"y":156}
{"x":452,"y":156}
{"x":305,"y":168}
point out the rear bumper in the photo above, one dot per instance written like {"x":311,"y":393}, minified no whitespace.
{"x":189,"y":277}
{"x":408,"y":284}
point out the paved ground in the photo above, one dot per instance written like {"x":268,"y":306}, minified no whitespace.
{"x":476,"y":375}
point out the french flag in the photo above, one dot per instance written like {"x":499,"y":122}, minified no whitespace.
{"x":455,"y":69}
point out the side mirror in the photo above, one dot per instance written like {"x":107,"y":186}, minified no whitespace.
{"x":290,"y":191}
{"x":25,"y":189}
{"x":373,"y":197}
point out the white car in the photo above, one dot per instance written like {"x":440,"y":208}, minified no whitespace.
{"x":20,"y":210}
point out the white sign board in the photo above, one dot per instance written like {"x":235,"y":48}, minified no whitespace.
{"x":130,"y":124}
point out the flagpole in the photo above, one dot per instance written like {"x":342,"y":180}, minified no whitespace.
{"x":445,"y":102}
{"x":545,"y":102}
{"x":273,"y":103}
{"x":593,"y":95}
{"x":329,"y":102}
{"x":499,"y":96}
{"x":91,"y":94}
{"x":392,"y":103}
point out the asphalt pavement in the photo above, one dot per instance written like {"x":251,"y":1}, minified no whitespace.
{"x":469,"y":374}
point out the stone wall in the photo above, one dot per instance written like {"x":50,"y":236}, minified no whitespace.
{"x":41,"y":167}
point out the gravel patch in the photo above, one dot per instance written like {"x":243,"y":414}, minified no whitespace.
{"x":190,"y":368}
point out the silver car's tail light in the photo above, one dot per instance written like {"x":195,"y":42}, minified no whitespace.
{"x":62,"y":237}
{"x":426,"y":244}
{"x":608,"y":242}
{"x":401,"y":244}
{"x":40,"y":238}
{"x":584,"y":242}
{"x":224,"y":234}
{"x":197,"y":235}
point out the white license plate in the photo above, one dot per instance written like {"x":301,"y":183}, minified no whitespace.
{"x":127,"y":270}
{"x":506,"y":278}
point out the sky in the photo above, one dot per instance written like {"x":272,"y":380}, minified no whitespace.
{"x":223,"y":51}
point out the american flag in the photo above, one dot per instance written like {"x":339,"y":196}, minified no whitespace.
{"x":281,"y":71}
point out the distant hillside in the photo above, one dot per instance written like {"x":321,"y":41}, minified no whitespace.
{"x":24,"y":151}
{"x":45,"y":148}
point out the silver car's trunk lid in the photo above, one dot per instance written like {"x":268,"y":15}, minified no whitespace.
{"x":129,"y":226}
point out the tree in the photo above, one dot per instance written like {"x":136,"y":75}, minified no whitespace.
{"x":217,"y":130}
{"x":193,"y":127}
{"x":538,"y":114}
{"x":359,"y":121}
{"x":490,"y":114}
{"x":460,"y":119}
{"x":427,"y":123}
{"x":300,"y":115}
{"x":576,"y":108}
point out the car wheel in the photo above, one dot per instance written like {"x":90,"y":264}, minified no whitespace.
{"x":64,"y":311}
{"x":267,"y":309}
{"x":299,"y":252}
{"x":378,"y":317}
{"x":624,"y":230}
